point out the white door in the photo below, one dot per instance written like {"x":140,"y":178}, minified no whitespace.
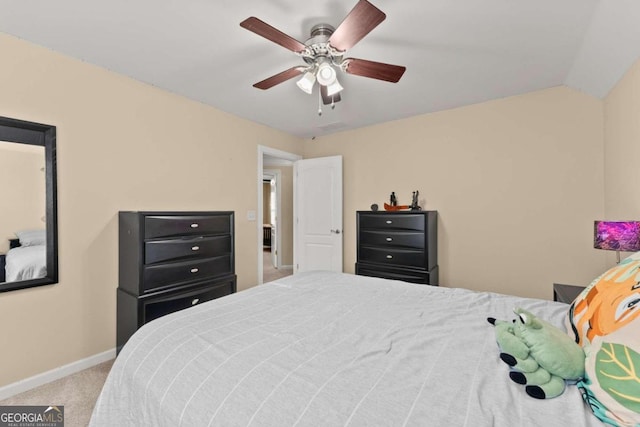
{"x":318,"y":214}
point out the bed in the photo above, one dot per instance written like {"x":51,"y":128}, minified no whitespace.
{"x":331,"y":349}
{"x":27,"y":256}
{"x":25,"y":263}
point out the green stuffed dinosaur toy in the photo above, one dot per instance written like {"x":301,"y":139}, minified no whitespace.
{"x":541,"y":356}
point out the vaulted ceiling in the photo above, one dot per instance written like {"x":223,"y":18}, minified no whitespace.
{"x":457,"y":52}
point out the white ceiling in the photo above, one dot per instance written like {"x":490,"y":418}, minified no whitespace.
{"x":457,"y":52}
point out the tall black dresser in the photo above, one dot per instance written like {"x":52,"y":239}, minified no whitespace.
{"x":169,"y":261}
{"x":398,"y":245}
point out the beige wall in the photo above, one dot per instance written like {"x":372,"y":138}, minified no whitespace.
{"x":22,"y":198}
{"x":517,"y":183}
{"x":622,"y":149}
{"x":121,"y":145}
{"x":286,"y":216}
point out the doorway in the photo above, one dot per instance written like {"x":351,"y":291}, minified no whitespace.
{"x":275,"y":213}
{"x":274,"y":265}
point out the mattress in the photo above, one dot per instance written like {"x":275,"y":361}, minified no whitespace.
{"x":331,"y":349}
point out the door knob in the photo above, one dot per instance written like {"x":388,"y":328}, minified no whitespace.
{"x":335,"y":231}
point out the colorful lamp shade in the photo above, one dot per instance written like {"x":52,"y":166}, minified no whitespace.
{"x":617,"y":236}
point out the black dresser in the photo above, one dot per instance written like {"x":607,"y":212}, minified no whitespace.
{"x":398,"y":245}
{"x":169,"y":261}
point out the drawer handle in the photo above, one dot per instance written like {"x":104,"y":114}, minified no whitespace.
{"x":389,"y":239}
{"x":194,"y":270}
{"x":195,"y":225}
{"x":389,"y":221}
{"x":195,"y":248}
{"x":195,"y":301}
{"x":389,"y":256}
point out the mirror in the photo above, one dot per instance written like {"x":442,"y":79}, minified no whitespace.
{"x":28,"y":205}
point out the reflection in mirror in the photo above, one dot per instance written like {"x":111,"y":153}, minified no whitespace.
{"x":28,"y":225}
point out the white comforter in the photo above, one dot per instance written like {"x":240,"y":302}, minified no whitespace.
{"x":26,"y":262}
{"x":330,"y":349}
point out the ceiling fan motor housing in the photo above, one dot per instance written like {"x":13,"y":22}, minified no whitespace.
{"x":317,"y":46}
{"x":322,"y":30}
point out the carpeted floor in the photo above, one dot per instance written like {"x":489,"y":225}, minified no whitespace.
{"x":77,"y":393}
{"x":269,"y":272}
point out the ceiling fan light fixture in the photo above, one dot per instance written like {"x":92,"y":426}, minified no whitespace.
{"x":326,"y":75}
{"x":306,"y":82}
{"x":334,"y":88}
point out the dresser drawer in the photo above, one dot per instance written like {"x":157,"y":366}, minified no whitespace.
{"x":392,"y":221}
{"x":159,"y":306}
{"x":405,"y":274}
{"x":177,"y":225}
{"x":182,"y":249}
{"x":408,"y":239}
{"x":160,"y":275}
{"x":388,"y":273}
{"x":393,"y":256}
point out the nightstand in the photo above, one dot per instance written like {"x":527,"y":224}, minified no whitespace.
{"x":566,"y":293}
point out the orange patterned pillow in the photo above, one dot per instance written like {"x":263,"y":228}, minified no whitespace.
{"x":605,"y":320}
{"x":608,"y":304}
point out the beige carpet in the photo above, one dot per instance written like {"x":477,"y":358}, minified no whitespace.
{"x":77,"y":393}
{"x":269,"y":272}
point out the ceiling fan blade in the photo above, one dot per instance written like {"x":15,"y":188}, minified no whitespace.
{"x":270,"y":33}
{"x":328,"y":99}
{"x":374,"y":70}
{"x":363,"y":18}
{"x":279,"y":78}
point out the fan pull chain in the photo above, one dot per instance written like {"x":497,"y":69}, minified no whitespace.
{"x":319,"y":102}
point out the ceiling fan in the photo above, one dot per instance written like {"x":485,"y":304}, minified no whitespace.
{"x":324,"y":51}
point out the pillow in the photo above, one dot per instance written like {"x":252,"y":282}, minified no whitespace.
{"x":605,"y":320}
{"x":32,"y":237}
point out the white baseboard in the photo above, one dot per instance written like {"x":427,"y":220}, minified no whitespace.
{"x":55,"y":374}
{"x":286,"y":267}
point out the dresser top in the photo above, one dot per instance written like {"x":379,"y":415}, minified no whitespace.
{"x":182,"y":213}
{"x":396,"y":212}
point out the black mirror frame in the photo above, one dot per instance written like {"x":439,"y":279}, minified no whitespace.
{"x":13,"y":130}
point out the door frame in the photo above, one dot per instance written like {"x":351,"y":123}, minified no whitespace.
{"x":273,"y":152}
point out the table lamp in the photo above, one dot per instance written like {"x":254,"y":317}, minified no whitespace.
{"x":617,"y":236}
